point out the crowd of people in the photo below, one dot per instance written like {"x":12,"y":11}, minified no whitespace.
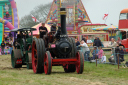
{"x":6,"y":48}
{"x":97,"y":51}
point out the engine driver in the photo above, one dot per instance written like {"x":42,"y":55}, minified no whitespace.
{"x":43,"y":30}
{"x":20,"y":35}
{"x":53,"y":27}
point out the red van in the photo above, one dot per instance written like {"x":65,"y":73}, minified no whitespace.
{"x":123,"y":26}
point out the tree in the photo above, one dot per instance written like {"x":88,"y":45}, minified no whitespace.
{"x":40,"y":12}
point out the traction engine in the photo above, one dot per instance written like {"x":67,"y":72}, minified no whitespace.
{"x":57,"y":49}
{"x":21,"y":54}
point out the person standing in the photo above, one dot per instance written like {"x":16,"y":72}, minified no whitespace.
{"x":94,"y":43}
{"x":85,"y":40}
{"x":11,"y":46}
{"x":42,"y":30}
{"x":53,"y":27}
{"x":85,"y":50}
{"x":77,"y":42}
{"x":3,"y":46}
{"x":89,"y":40}
{"x":97,"y":42}
{"x":119,"y":41}
{"x":7,"y":14}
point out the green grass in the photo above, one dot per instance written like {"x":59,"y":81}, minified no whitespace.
{"x":103,"y":74}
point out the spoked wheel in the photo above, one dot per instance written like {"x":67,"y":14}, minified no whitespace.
{"x":69,"y":68}
{"x":13,"y":61}
{"x":47,"y":63}
{"x":80,"y":62}
{"x":37,"y":58}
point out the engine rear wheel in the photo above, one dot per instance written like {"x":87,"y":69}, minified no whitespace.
{"x":47,"y":63}
{"x":80,"y":62}
{"x":37,"y":58}
{"x":74,"y":47}
{"x":74,"y":50}
{"x":43,"y":50}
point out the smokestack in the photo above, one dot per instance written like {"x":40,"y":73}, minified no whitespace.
{"x":63,"y":21}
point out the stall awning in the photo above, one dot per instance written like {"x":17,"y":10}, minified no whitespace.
{"x":106,"y":28}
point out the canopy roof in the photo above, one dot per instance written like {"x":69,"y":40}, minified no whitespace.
{"x":23,"y":29}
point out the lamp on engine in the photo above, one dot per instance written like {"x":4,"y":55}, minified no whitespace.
{"x":57,"y":49}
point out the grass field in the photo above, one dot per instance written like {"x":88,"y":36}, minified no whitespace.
{"x":103,"y":74}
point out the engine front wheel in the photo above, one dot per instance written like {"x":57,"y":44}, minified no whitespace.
{"x":47,"y":63}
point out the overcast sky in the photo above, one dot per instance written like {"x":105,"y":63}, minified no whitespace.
{"x":95,"y":9}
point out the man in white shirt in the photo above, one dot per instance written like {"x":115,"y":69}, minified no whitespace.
{"x":89,"y":40}
{"x":85,"y":50}
{"x":113,"y":43}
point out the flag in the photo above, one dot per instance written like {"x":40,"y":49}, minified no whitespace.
{"x":34,"y":19}
{"x":105,"y":16}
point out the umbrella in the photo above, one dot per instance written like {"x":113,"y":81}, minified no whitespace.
{"x":106,"y":28}
{"x":37,"y":28}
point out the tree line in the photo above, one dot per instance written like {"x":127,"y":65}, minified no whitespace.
{"x":40,"y":13}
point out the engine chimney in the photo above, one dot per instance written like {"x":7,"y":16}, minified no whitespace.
{"x":63,"y":21}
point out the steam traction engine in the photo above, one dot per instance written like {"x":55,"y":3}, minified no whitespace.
{"x":21,"y":54}
{"x":57,"y":49}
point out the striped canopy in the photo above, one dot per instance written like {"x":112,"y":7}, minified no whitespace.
{"x":37,"y":27}
{"x":106,"y":28}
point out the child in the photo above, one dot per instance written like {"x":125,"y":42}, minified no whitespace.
{"x":100,"y":53}
{"x":95,"y":53}
{"x":5,"y":51}
{"x":103,"y":59}
{"x":111,"y":59}
{"x":0,"y":50}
